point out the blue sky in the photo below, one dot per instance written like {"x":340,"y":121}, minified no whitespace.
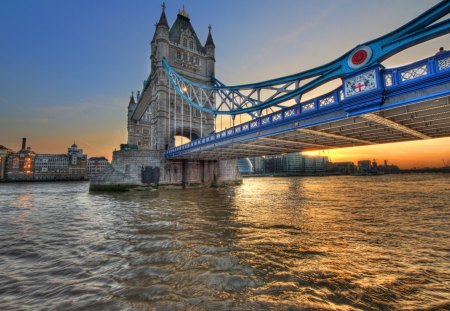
{"x":67,"y":68}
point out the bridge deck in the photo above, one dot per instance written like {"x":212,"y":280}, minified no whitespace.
{"x":407,"y":103}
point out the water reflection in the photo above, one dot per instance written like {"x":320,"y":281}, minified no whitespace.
{"x":338,"y":243}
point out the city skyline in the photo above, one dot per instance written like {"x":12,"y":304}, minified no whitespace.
{"x":70,"y":67}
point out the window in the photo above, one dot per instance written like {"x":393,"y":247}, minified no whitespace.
{"x":184,"y":56}
{"x":178,"y":54}
{"x":185,"y":42}
{"x":191,"y":59}
{"x":191,"y":45}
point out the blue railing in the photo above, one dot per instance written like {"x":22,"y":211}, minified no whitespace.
{"x":394,"y":80}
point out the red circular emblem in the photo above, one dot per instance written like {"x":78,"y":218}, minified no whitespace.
{"x":359,"y":57}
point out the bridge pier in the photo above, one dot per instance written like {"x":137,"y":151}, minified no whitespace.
{"x":185,"y":165}
{"x":149,"y":168}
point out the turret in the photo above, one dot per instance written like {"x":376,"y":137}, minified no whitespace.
{"x":131,"y":105}
{"x":210,"y":49}
{"x":160,"y":41}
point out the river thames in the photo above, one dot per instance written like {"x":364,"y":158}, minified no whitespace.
{"x":273,"y":243}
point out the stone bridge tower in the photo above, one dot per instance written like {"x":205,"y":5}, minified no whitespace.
{"x":160,"y":123}
{"x":155,"y":117}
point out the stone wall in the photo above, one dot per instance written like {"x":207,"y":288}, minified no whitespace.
{"x":126,"y":171}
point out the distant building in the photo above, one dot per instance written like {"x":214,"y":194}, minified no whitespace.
{"x":293,"y":163}
{"x":96,"y":165}
{"x":51,"y":167}
{"x":290,"y":164}
{"x":297,"y":163}
{"x":274,"y":164}
{"x":77,"y":165}
{"x":258,"y":165}
{"x":4,"y":152}
{"x":245,"y":166}
{"x":315,"y":164}
{"x":346,"y":168}
{"x":26,"y":165}
{"x":388,"y":168}
{"x":364,"y":167}
{"x":20,"y":165}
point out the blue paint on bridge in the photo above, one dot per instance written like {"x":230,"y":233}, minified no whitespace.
{"x":366,"y":92}
{"x":374,"y":105}
{"x":233,"y":100}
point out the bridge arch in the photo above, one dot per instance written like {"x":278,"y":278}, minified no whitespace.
{"x":183,"y":135}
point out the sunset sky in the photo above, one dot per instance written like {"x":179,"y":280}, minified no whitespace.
{"x":67,"y":68}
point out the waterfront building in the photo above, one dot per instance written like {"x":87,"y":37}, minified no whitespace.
{"x":346,"y":168}
{"x":96,"y":165}
{"x":4,"y":152}
{"x":26,"y":165}
{"x":315,"y":164}
{"x":77,"y":165}
{"x":245,"y":166}
{"x":258,"y":164}
{"x":388,"y":168}
{"x":274,"y":164}
{"x":364,"y":167}
{"x":20,"y":165}
{"x":297,"y":163}
{"x":293,"y":163}
{"x":51,"y":167}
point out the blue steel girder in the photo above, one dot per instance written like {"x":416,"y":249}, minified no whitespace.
{"x":246,"y":98}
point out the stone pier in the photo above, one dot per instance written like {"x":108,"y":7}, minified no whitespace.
{"x":147,"y":168}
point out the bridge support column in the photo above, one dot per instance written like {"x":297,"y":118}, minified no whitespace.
{"x":125,"y":172}
{"x":184,"y":173}
{"x":202,"y":165}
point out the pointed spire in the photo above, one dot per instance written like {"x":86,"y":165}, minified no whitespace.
{"x":183,"y":12}
{"x":132,"y":101}
{"x":209,"y":40}
{"x":163,"y":19}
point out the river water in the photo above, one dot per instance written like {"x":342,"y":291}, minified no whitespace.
{"x":306,"y":243}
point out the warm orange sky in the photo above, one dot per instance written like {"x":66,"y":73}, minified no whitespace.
{"x":70,"y":67}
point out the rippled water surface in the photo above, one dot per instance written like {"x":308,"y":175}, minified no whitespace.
{"x":336,"y":243}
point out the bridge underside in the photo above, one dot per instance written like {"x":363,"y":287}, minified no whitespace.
{"x":392,"y":123}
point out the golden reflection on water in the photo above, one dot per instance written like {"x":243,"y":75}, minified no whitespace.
{"x":331,"y":243}
{"x":329,"y":231}
{"x":24,"y":211}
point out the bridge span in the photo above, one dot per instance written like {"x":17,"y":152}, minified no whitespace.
{"x":373,"y":106}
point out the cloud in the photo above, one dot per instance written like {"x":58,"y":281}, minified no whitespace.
{"x":73,"y":108}
{"x":121,"y":103}
{"x":40,"y":120}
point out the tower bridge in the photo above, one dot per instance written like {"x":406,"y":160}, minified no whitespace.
{"x":373,"y":106}
{"x":183,"y":97}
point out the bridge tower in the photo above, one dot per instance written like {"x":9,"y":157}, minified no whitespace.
{"x":158,"y":114}
{"x":167,"y":115}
